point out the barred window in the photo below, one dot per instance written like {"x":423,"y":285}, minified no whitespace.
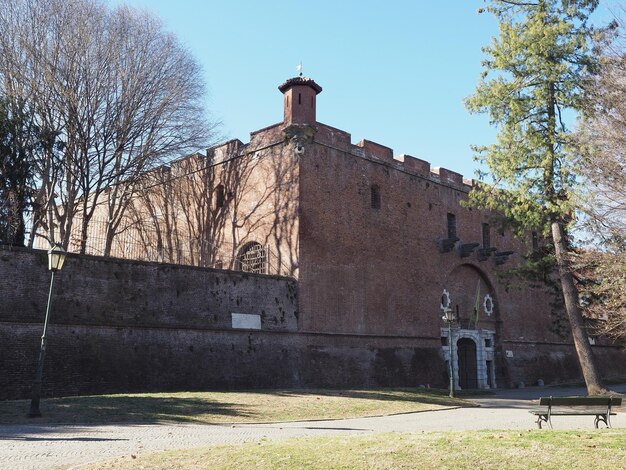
{"x":375,"y":196}
{"x":252,"y":258}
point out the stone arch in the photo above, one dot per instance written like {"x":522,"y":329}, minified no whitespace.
{"x":465,"y":283}
{"x":252,"y":258}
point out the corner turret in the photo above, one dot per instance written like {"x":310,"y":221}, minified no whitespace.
{"x":300,"y":97}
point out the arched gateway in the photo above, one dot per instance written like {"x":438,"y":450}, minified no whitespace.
{"x":472,"y":300}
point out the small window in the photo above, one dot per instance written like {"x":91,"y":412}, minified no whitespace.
{"x":486,"y":236}
{"x":488,"y":343}
{"x":375,"y":196}
{"x":220,"y":196}
{"x":451,"y":225}
{"x":535,"y":241}
{"x":299,"y":98}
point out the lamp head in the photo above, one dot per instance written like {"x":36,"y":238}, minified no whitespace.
{"x":448,"y":315}
{"x":56,"y":257}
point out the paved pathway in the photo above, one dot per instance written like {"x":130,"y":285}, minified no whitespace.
{"x":64,"y":446}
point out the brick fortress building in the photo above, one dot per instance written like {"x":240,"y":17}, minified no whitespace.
{"x":373,"y":240}
{"x":319,"y":263}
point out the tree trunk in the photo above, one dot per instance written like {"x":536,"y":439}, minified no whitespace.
{"x":570,"y":295}
{"x":108,"y":239}
{"x":84,"y":233}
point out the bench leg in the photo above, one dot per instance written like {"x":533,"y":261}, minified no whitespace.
{"x":543,"y":419}
{"x":606,"y":419}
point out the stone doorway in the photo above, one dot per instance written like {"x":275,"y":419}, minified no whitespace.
{"x":468,"y":372}
{"x":472,"y":357}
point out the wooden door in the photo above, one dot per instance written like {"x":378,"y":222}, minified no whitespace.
{"x":468,"y":373}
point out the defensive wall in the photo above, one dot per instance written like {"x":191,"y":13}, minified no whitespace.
{"x":122,"y":326}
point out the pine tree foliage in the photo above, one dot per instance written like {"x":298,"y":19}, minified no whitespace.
{"x":533,"y":77}
{"x":16,"y":172}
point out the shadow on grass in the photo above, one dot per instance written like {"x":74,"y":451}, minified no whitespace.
{"x":415,"y":395}
{"x":208,"y":407}
{"x":113,"y":409}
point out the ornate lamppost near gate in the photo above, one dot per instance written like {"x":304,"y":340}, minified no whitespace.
{"x":56,"y":258}
{"x":449,"y":318}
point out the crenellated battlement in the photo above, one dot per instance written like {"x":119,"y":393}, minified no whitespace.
{"x":381,"y":153}
{"x":377,"y":152}
{"x":414,"y":165}
{"x":341,"y":140}
{"x":300,"y":108}
{"x":225,"y":150}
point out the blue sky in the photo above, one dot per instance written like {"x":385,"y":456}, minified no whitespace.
{"x":393,"y":72}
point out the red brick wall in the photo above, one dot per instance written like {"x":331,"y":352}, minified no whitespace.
{"x":366,"y":270}
{"x":121,"y":326}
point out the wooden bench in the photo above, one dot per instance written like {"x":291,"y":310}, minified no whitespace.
{"x":600,"y":407}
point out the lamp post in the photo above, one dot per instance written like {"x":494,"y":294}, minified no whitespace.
{"x":448,"y":317}
{"x":56,"y":257}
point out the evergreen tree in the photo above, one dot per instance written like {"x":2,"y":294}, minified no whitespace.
{"x":16,"y":138}
{"x":533,"y":74}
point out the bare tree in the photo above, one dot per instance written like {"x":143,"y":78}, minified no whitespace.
{"x":601,"y":142}
{"x":120,"y":93}
{"x":204,"y":209}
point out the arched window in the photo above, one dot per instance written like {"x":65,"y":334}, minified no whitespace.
{"x":220,"y":196}
{"x":252,"y":258}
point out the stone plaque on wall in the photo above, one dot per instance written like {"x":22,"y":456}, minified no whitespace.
{"x":246,"y":321}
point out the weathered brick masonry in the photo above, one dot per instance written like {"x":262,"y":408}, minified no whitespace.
{"x":119,"y":326}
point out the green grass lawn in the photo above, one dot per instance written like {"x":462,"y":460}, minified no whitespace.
{"x":229,"y":407}
{"x":464,"y":450}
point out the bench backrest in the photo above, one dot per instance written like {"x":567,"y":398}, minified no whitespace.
{"x":580,"y":401}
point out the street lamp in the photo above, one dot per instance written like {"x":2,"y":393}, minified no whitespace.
{"x":448,"y":317}
{"x":56,"y":257}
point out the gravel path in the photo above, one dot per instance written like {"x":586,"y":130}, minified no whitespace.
{"x":70,"y":446}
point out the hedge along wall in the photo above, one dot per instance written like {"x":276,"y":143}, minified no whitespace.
{"x":120,"y":326}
